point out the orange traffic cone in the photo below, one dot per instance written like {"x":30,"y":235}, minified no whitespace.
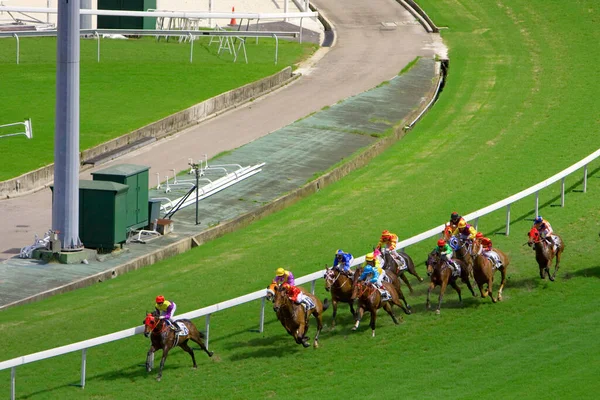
{"x":233,"y":21}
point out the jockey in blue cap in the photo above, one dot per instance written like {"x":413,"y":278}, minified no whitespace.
{"x":343,"y":260}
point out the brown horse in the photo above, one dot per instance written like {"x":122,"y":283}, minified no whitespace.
{"x":340,"y":286}
{"x":463,"y":251}
{"x":369,"y":299}
{"x":544,"y":252}
{"x":441,"y":275}
{"x":483,"y":271}
{"x":293,"y":317}
{"x":164,"y":338}
{"x":389,"y":264}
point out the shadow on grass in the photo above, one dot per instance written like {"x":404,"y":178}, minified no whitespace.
{"x":592,"y":272}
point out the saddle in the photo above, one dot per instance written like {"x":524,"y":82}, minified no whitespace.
{"x":385,"y":295}
{"x":308,"y":303}
{"x":495,"y":259}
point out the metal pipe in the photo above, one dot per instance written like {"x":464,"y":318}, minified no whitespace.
{"x":562,"y":192}
{"x":261,"y":325}
{"x":13,"y":386}
{"x":97,"y":51}
{"x":477,"y":224}
{"x":18,"y":46}
{"x":300,"y":38}
{"x":537,"y":203}
{"x":207,"y":328}
{"x":585,"y":173}
{"x":276,"y":47}
{"x":312,"y":286}
{"x":191,"y":47}
{"x":83,"y":362}
{"x":507,"y":219}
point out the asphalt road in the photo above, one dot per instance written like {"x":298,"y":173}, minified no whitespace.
{"x":363,"y":56}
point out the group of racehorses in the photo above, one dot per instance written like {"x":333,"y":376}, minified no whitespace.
{"x":347,"y":288}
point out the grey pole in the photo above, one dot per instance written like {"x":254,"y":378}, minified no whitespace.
{"x":65,"y":207}
{"x":86,"y":20}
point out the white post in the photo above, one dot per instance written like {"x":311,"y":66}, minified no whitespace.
{"x":562,"y":192}
{"x":300,"y":40}
{"x":13,"y":387}
{"x":585,"y":179}
{"x":191,"y":54}
{"x":98,"y":51}
{"x":285,"y":9}
{"x":207,"y":328}
{"x":83,"y":362}
{"x":477,"y":224}
{"x":507,"y":219}
{"x":261,"y":326}
{"x":312,"y":286}
{"x":18,"y":47}
{"x":276,"y":47}
{"x":537,"y":203}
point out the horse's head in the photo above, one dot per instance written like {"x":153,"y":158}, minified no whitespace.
{"x":356,"y":289}
{"x":534,"y":237}
{"x":447,"y":232}
{"x":271,"y":291}
{"x":432,"y":260}
{"x":329,"y":277}
{"x":150,"y":323}
{"x":280,"y":297}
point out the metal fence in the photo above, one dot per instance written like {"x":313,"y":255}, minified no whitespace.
{"x":312,"y":278}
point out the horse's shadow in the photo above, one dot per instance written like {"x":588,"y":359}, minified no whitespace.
{"x":588,"y":272}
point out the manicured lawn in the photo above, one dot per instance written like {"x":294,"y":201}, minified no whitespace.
{"x":135,"y":83}
{"x":516,"y":109}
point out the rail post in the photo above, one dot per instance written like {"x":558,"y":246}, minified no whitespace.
{"x":98,"y":49}
{"x":18,"y":47}
{"x":537,"y":203}
{"x":191,"y":49}
{"x":585,"y":178}
{"x":207,"y":328}
{"x":276,"y":47}
{"x":312,"y":286}
{"x":507,"y":220}
{"x":477,"y":224}
{"x":261,"y":326}
{"x":13,"y":386}
{"x":562,"y":192}
{"x":83,"y":363}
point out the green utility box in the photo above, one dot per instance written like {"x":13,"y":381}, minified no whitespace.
{"x":102,"y":211}
{"x":119,"y":22}
{"x":136,"y":177}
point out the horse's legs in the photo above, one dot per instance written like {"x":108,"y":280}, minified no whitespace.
{"x":442,"y":290}
{"x":401,"y":297}
{"x":200,"y":342}
{"x":457,"y":288}
{"x":352,"y":308}
{"x":190,"y":351}
{"x":468,"y":282}
{"x":547,"y":269}
{"x":150,"y":359}
{"x":405,"y":279}
{"x":359,"y":316}
{"x":162,"y":362}
{"x":413,"y":271}
{"x":319,"y":318}
{"x":334,"y":302}
{"x":503,"y":272}
{"x":490,"y":285}
{"x":373,"y":320}
{"x":390,"y":310}
{"x":428,"y":304}
{"x":556,"y":266}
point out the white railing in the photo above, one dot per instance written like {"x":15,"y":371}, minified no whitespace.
{"x":312,"y":278}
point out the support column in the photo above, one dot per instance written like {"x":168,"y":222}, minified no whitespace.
{"x":65,"y":207}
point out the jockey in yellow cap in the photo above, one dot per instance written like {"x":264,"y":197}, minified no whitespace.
{"x":284,"y":276}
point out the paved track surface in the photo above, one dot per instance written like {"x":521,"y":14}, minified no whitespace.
{"x":364,"y":55}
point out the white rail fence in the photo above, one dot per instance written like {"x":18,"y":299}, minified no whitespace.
{"x":312,"y":278}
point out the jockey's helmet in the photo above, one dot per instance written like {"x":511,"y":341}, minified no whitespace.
{"x":479,"y":235}
{"x":454,"y":217}
{"x":462,"y":224}
{"x":486,"y":242}
{"x":386,"y":233}
{"x":538,"y":219}
{"x":370,"y":257}
{"x":441,"y":243}
{"x":340,"y":252}
{"x":280,"y":272}
{"x":160,"y":299}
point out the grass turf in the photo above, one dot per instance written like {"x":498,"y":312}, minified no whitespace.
{"x":511,"y":115}
{"x":135,"y":83}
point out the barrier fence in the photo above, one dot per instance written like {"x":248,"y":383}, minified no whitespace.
{"x":312,"y":278}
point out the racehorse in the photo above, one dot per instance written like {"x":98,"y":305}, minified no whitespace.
{"x":483,"y":272}
{"x":164,"y":338}
{"x":389,"y":264}
{"x":544,"y":252}
{"x":463,"y":251}
{"x":441,"y":275}
{"x":369,"y":299}
{"x":340,"y":286}
{"x":293,"y":317}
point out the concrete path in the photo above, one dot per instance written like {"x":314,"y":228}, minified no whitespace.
{"x":363,"y":56}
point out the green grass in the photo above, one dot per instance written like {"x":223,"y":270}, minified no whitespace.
{"x":516,"y":109}
{"x":135,"y":83}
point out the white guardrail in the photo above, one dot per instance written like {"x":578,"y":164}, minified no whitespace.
{"x":312,"y":278}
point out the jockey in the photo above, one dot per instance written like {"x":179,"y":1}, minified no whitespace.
{"x":445,"y":251}
{"x":464,"y":231}
{"x":374,"y":263}
{"x":545,"y":230}
{"x":488,"y":251}
{"x":343,"y":260}
{"x":455,"y":218}
{"x":478,"y":237}
{"x":388,"y":241}
{"x":295,"y":294}
{"x":377,"y":274}
{"x":166,"y":310}
{"x":284,"y":276}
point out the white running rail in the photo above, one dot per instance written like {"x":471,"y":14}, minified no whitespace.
{"x":312,"y":278}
